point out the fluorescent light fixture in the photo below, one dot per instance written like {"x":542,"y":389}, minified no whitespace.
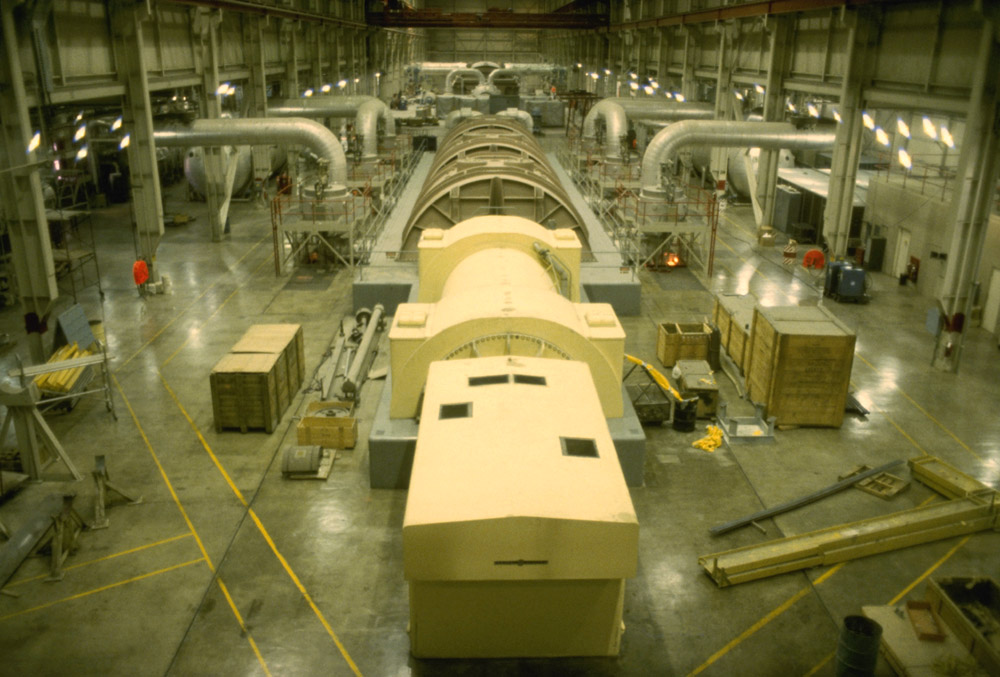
{"x":648,"y":89}
{"x":836,"y":115}
{"x":791,"y":107}
{"x":867,"y":120}
{"x":56,"y":165}
{"x":607,"y":71}
{"x":173,"y":98}
{"x":342,"y":84}
{"x":594,"y":75}
{"x":222,"y":89}
{"x":759,"y":88}
{"x":81,"y":132}
{"x":82,"y":153}
{"x":231,"y":91}
{"x":903,"y":128}
{"x":117,"y":124}
{"x":946,"y":137}
{"x":36,"y":140}
{"x":326,"y":88}
{"x":881,"y":136}
{"x":633,"y":76}
{"x":633,"y":85}
{"x":126,"y":140}
{"x":679,"y":97}
{"x":905,"y":159}
{"x":813,"y":110}
{"x":670,"y":95}
{"x":79,"y":116}
{"x":308,"y":93}
{"x":929,"y":128}
{"x":738,"y":95}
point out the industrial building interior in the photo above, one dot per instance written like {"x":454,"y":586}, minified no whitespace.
{"x":270,"y":270}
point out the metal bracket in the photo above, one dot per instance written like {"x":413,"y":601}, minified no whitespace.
{"x":100,"y":473}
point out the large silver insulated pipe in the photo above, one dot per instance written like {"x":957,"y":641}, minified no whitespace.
{"x":453,"y":76}
{"x":615,"y":114}
{"x":367,"y":110}
{"x":727,"y":133}
{"x":262,"y":132}
{"x":456,"y":116}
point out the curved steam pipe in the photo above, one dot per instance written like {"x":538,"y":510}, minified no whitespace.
{"x":456,"y":116}
{"x":667,"y":142}
{"x":264,"y":131}
{"x":522,"y":115}
{"x":366,"y":109}
{"x":449,"y":82}
{"x":615,"y":113}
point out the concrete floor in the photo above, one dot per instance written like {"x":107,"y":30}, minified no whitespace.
{"x":226,"y":568}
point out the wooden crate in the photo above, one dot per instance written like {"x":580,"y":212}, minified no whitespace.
{"x":245,"y":391}
{"x":799,"y":364}
{"x":333,"y":432}
{"x":682,"y":341}
{"x":949,"y":597}
{"x":734,"y":317}
{"x":285,"y":339}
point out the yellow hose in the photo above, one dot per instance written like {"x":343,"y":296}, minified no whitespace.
{"x":659,"y":378}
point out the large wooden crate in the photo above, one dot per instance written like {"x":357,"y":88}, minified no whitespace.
{"x":799,"y":364}
{"x":734,"y":318}
{"x":682,"y":341}
{"x":285,"y":339}
{"x":336,"y":431}
{"x":245,"y":391}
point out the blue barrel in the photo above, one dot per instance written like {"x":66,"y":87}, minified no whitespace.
{"x":857,"y":651}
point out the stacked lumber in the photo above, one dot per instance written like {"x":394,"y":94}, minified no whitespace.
{"x":62,"y":381}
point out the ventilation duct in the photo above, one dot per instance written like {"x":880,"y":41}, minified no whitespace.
{"x":262,"y":132}
{"x":769,"y":135}
{"x":367,"y":111}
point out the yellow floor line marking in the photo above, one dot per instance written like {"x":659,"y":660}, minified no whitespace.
{"x":243,"y":626}
{"x":103,"y":588}
{"x":263,"y":531}
{"x":785,"y":606}
{"x":923,"y":411}
{"x":214,"y":313}
{"x":102,"y":559}
{"x":187,"y":520}
{"x":929,"y":571}
{"x":895,"y":600}
{"x":187,"y":307}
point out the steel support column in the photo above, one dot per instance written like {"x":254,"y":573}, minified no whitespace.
{"x":971,"y":205}
{"x":256,"y":91}
{"x":774,"y":105}
{"x":21,"y":204}
{"x":137,"y":120}
{"x":216,"y":193}
{"x":862,"y":40}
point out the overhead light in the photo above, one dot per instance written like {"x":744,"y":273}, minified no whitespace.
{"x":307,"y":93}
{"x":117,"y":124}
{"x":79,"y":116}
{"x":356,"y":80}
{"x":679,"y":97}
{"x":881,"y":136}
{"x":231,"y":90}
{"x":173,"y":98}
{"x":82,"y":153}
{"x":594,"y":75}
{"x":326,"y":88}
{"x":633,"y":85}
{"x":867,"y":120}
{"x":670,"y":95}
{"x":126,"y":140}
{"x":905,"y":159}
{"x":654,"y":84}
{"x":836,"y":115}
{"x":579,"y":65}
{"x":223,"y":89}
{"x":35,"y":141}
{"x":759,"y":88}
{"x":81,"y":132}
{"x":791,"y":107}
{"x":903,"y":128}
{"x":633,"y":75}
{"x":813,"y":110}
{"x":342,"y":84}
{"x":929,"y":128}
{"x":648,"y":89}
{"x":378,"y":74}
{"x":946,"y":137}
{"x":607,"y":71}
{"x":738,"y":95}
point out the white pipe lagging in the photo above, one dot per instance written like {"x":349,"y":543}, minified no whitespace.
{"x":516,"y":69}
{"x":453,"y":76}
{"x":727,"y":133}
{"x":456,"y":116}
{"x":522,"y":115}
{"x":367,"y":111}
{"x":615,"y":114}
{"x":264,"y":131}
